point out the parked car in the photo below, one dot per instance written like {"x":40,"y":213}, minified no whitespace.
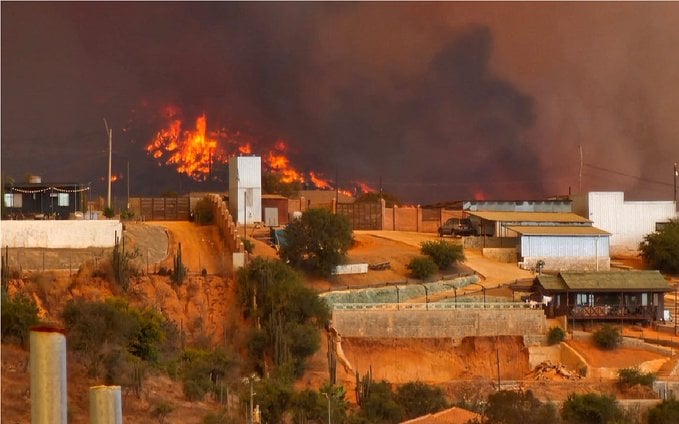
{"x":457,"y":227}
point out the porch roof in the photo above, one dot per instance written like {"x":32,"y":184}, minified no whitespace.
{"x":552,"y":217}
{"x":560,"y":230}
{"x":605,"y":281}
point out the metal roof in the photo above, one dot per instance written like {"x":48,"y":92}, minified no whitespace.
{"x":561,"y":217}
{"x":605,"y":281}
{"x":558,"y":230}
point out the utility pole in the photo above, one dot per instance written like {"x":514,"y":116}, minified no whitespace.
{"x":580,"y":174}
{"x":109,"y":133}
{"x":676,"y":174}
{"x":128,"y":185}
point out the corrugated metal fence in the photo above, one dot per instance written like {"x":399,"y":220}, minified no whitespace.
{"x":161,"y":208}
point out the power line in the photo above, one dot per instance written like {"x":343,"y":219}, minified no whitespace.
{"x":623,"y":174}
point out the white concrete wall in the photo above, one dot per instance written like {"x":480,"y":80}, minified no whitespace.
{"x":75,"y":234}
{"x":627,"y":221}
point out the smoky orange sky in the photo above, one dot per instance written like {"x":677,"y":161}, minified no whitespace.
{"x":432,"y":101}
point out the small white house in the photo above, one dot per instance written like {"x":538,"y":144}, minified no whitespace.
{"x":627,"y":221}
{"x":245,"y":189}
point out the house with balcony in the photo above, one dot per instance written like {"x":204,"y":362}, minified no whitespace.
{"x":636,"y":296}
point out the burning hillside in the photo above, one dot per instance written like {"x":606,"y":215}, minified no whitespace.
{"x":192,"y":149}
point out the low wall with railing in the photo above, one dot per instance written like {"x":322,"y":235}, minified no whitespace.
{"x":437,"y":320}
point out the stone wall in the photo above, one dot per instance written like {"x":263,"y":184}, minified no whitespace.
{"x":227,"y":227}
{"x":72,"y":234}
{"x":450,"y":323}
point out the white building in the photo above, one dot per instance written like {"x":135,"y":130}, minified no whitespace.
{"x":627,"y":221}
{"x":245,"y":189}
{"x":560,"y":241}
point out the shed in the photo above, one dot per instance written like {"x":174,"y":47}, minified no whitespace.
{"x":563,"y":248}
{"x":275,"y":208}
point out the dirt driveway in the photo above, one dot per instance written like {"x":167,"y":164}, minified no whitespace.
{"x":201,"y":248}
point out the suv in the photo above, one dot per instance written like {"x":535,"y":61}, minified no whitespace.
{"x":457,"y":227}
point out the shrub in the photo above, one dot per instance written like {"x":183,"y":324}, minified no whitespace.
{"x":203,"y":212}
{"x":422,"y":267}
{"x":591,"y":408}
{"x":19,"y":313}
{"x":666,"y":412}
{"x":608,"y":337}
{"x":555,"y":335}
{"x":632,"y":376}
{"x":248,"y":245}
{"x":108,"y":212}
{"x":161,"y":410}
{"x":509,"y":407}
{"x":443,"y":253}
{"x":419,"y":399}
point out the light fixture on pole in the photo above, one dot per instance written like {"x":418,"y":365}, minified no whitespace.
{"x":251,"y":379}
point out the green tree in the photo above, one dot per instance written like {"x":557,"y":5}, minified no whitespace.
{"x":660,"y":249}
{"x":204,"y":370}
{"x":592,"y":408}
{"x":274,"y":397}
{"x":203,"y":211}
{"x":509,"y":407}
{"x":666,"y":412}
{"x":290,"y":314}
{"x":98,"y":330}
{"x":381,"y":405}
{"x":421,"y":267}
{"x":320,"y":240}
{"x":419,"y":399}
{"x":442,"y":252}
{"x":19,"y":313}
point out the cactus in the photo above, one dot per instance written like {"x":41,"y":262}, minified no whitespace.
{"x":363,"y":386}
{"x":5,"y":269}
{"x":179,"y":271}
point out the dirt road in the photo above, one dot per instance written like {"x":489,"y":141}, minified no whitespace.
{"x":200,"y":246}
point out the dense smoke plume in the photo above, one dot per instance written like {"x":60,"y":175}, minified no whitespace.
{"x":432,"y":101}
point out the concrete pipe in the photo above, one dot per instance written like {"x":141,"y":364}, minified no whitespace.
{"x":105,"y":405}
{"x":49,"y":397}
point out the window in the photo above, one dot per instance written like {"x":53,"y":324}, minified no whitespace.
{"x":584,"y":299}
{"x":63,"y":199}
{"x":13,"y":200}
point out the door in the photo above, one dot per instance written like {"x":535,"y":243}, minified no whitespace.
{"x":271,"y":217}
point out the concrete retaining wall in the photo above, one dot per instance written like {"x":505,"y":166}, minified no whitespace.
{"x":569,"y":263}
{"x":508,"y":256}
{"x":78,"y":234}
{"x":455,"y":324}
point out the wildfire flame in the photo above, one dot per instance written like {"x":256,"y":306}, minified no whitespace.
{"x":194,"y":151}
{"x":191,"y":151}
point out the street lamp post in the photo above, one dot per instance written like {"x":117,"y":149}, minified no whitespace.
{"x":329,"y":416}
{"x":251,"y":379}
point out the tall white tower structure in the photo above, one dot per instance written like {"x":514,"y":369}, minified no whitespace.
{"x":245,"y":189}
